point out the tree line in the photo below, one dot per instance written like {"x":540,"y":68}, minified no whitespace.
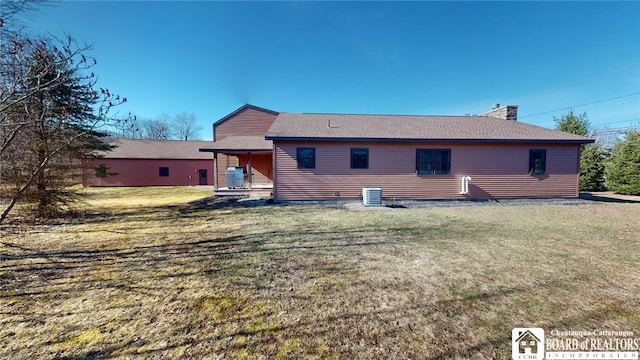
{"x":182,"y":126}
{"x":607,"y":164}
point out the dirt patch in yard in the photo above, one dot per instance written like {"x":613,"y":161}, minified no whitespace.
{"x":609,"y":196}
{"x":221,"y":202}
{"x":415,"y":204}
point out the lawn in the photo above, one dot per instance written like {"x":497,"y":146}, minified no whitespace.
{"x":149,"y":273}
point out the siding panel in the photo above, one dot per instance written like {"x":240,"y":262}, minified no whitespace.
{"x":261,"y":168}
{"x":249,"y":122}
{"x":497,"y":171}
{"x":144,"y":172}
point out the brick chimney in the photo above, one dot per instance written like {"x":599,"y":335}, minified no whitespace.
{"x":507,"y":112}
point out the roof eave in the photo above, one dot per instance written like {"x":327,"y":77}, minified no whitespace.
{"x":237,"y":151}
{"x":459,"y":140}
{"x":151,"y":158}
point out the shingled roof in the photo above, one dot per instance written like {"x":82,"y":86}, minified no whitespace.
{"x":232,"y":144}
{"x":338,"y":127}
{"x":157,"y":149}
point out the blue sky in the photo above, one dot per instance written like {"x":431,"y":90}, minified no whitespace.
{"x":210,"y":58}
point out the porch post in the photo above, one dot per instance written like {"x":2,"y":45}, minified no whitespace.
{"x":215,"y":170}
{"x":249,"y":177}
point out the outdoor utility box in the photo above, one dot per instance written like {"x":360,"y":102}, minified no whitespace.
{"x":239,"y":176}
{"x":234,"y":177}
{"x":372,"y":196}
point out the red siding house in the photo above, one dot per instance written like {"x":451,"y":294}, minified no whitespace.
{"x":335,"y":156}
{"x":153,"y":163}
{"x":238,"y":141}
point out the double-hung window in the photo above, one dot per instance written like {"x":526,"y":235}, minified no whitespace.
{"x":537,"y":161}
{"x":433,"y":161}
{"x":306,"y":158}
{"x":359,"y":158}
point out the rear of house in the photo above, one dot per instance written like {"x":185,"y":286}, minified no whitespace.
{"x":334,"y":156}
{"x":418,"y":170}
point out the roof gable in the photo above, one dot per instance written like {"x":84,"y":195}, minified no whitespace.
{"x":340,"y":127}
{"x":241,"y":109}
{"x":528,"y":335}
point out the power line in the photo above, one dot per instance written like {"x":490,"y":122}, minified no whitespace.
{"x":596,"y":126}
{"x":618,"y":122}
{"x":575,"y":106}
{"x":633,"y":67}
{"x":614,"y":130}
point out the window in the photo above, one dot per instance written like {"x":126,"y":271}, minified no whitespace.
{"x":306,"y":158}
{"x":101,"y":171}
{"x":537,"y":161}
{"x":163,"y":171}
{"x":433,"y":161}
{"x":359,"y":158}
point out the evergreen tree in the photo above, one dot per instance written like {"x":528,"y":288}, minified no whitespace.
{"x":573,"y":123}
{"x":51,"y":115}
{"x":592,"y":156}
{"x":592,"y":160}
{"x":623,"y":169}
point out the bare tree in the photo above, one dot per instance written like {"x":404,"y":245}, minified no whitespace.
{"x":9,"y":14}
{"x":182,"y":126}
{"x":186,"y":127}
{"x":608,"y":137}
{"x":158,"y":128}
{"x":126,"y":126}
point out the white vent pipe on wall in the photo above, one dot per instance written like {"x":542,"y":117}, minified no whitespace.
{"x":464,"y":185}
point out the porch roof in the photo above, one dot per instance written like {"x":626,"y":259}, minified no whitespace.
{"x":240,"y":144}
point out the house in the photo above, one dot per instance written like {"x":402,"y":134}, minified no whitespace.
{"x":137,"y":162}
{"x":334,"y":156}
{"x":527,"y":343}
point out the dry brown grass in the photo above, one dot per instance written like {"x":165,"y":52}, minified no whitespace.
{"x":149,"y":276}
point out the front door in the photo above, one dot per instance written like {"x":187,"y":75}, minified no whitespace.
{"x":202,"y":176}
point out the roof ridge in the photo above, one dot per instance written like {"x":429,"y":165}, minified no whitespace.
{"x":394,"y":115}
{"x":157,"y":140}
{"x":372,"y":127}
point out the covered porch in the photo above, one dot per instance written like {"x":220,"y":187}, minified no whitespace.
{"x":253,"y":155}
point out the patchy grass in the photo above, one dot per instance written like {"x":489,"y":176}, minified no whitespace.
{"x":149,"y":275}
